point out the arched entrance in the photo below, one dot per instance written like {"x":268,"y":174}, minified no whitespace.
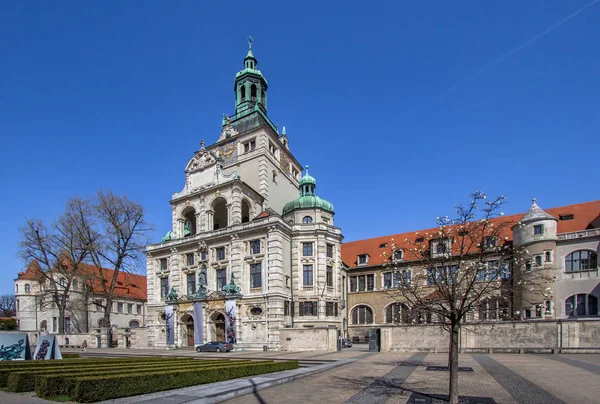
{"x":217,"y":327}
{"x":187,"y":330}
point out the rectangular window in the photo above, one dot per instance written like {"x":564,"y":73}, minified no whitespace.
{"x":67,"y":324}
{"x":164,"y":287}
{"x":329,"y":250}
{"x":493,"y":270}
{"x":431,"y":281}
{"x":203,"y":256}
{"x":329,"y":309}
{"x":528,"y":266}
{"x":220,"y":253}
{"x":362,"y":259}
{"x":406,"y":277}
{"x":139,"y":309}
{"x":286,"y":308}
{"x":54,"y":324}
{"x":190,"y":259}
{"x":548,"y":256}
{"x":398,"y":255}
{"x":307,"y":309}
{"x":255,"y":247}
{"x":221,"y":278}
{"x":370,"y":282}
{"x":505,"y":271}
{"x":538,"y":260}
{"x":249,"y":146}
{"x":329,"y":278}
{"x":387,"y":280}
{"x":163,"y":264}
{"x":308,"y":275}
{"x":191,"y":284}
{"x":120,"y":307}
{"x":307,"y":249}
{"x":129,"y":308}
{"x":361,"y":283}
{"x":98,"y":305}
{"x":353,"y":284}
{"x":538,"y":229}
{"x":256,"y":276}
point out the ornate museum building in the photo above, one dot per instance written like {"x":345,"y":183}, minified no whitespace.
{"x":252,"y":251}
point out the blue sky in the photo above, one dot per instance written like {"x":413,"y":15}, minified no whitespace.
{"x":400,"y":108}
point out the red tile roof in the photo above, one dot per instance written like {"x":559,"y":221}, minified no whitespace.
{"x":584,"y":214}
{"x":128,"y":285}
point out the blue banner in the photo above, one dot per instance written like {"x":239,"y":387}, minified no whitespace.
{"x":47,"y":348}
{"x":14,"y":347}
{"x":198,"y":324}
{"x":170,"y":326}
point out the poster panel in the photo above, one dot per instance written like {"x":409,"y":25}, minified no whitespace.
{"x":170,"y":326}
{"x":47,"y":348}
{"x":14,"y":347}
{"x":198,"y":324}
{"x":230,"y":315}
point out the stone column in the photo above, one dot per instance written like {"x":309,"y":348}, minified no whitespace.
{"x":236,"y":206}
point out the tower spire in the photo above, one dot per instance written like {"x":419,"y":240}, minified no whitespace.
{"x":250,"y":85}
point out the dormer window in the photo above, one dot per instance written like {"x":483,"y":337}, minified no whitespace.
{"x":398,"y":255}
{"x":566,"y":216}
{"x":363,"y":259}
{"x":538,"y":229}
{"x":383,"y":245}
{"x":440,"y":248}
{"x":419,"y":240}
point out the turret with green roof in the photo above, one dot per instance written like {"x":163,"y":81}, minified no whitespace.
{"x":307,"y":198}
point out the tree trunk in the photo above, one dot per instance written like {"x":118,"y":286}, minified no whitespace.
{"x":453,"y":364}
{"x":107,"y":309}
{"x":61,"y":318}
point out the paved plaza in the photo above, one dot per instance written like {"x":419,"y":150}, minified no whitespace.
{"x":355,"y":376}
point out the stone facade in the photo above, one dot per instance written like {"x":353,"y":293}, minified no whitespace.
{"x":563,"y":241}
{"x":229,"y":228}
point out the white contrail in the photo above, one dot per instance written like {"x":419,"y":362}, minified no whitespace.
{"x":506,"y":55}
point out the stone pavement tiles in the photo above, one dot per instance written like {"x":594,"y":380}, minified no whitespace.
{"x":400,"y":378}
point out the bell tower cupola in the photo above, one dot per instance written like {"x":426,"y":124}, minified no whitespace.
{"x":250,"y":86}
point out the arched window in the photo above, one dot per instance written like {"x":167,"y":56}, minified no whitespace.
{"x":396,"y":313}
{"x":253,"y":92}
{"x":63,"y":282}
{"x":582,"y":260}
{"x":307,"y":219}
{"x":243,"y":92}
{"x":27,"y":288}
{"x":245,"y":211}
{"x":581,"y":305}
{"x":134,"y":324}
{"x":189,"y":224}
{"x":262,"y":95}
{"x":43,"y":325}
{"x":220,"y":214}
{"x":362,"y":315}
{"x":102,"y":323}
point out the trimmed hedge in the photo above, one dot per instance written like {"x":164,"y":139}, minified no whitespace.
{"x":58,"y":362}
{"x":24,"y":380}
{"x":71,"y":356}
{"x":49,"y":385}
{"x":75,"y":364}
{"x":90,"y":389}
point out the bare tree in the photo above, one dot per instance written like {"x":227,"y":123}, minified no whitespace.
{"x":116,"y":237}
{"x":7,"y":306}
{"x":468,"y":260}
{"x":58,"y":251}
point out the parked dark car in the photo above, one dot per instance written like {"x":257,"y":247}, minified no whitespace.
{"x":346,"y":343}
{"x":214,"y":346}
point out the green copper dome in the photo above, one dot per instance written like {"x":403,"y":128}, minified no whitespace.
{"x":307,"y":198}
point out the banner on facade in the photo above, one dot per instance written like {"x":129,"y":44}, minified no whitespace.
{"x":14,"y":347}
{"x":47,"y":348}
{"x":198,"y":324}
{"x":170,"y":326}
{"x":230,"y":315}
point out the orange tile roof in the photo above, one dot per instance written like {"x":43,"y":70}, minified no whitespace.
{"x":128,"y":285}
{"x":584,"y":215}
